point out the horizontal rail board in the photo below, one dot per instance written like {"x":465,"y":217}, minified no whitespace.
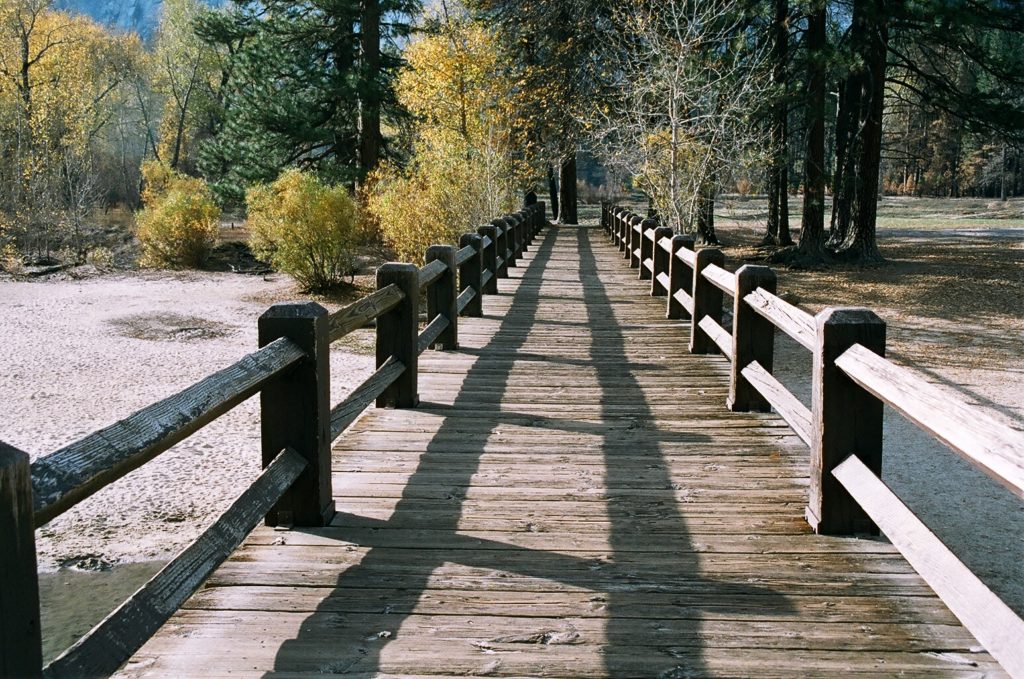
{"x":663,"y":280}
{"x":432,"y":332}
{"x":346,"y":412}
{"x":486,"y":242}
{"x":687,"y":257}
{"x":431,"y":272}
{"x":649,"y":264}
{"x":992,"y":446}
{"x":994,"y":624}
{"x":684,"y":298}
{"x":718,"y":334}
{"x":486,"y":277}
{"x":636,"y":253}
{"x":666,"y":245}
{"x":465,"y":298}
{"x":637,"y":228}
{"x":788,"y":406}
{"x":722,"y":279}
{"x":464,"y":255}
{"x":120,"y":634}
{"x":649,"y":235}
{"x":795,"y":322}
{"x":362,"y":311}
{"x":73,"y":473}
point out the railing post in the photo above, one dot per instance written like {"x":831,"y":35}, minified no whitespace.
{"x":490,"y":257}
{"x":846,"y":420}
{"x":636,"y":236}
{"x":442,"y":298}
{"x":526,"y":221}
{"x":501,"y":248}
{"x":753,"y":339}
{"x":646,"y":248}
{"x":661,"y":261}
{"x":516,"y":244}
{"x":707,"y":301}
{"x":604,"y":216}
{"x":21,"y":646}
{"x":623,"y":225}
{"x":470,"y":274}
{"x":542,"y":218}
{"x":398,"y":334}
{"x":680,"y":277}
{"x":295,"y":412}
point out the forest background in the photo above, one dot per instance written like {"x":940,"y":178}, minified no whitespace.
{"x":435,"y":119}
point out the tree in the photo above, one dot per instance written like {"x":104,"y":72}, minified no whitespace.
{"x":777,"y":231}
{"x":687,"y":77}
{"x":304,"y":86}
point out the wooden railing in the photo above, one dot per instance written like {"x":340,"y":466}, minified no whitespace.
{"x":291,"y":372}
{"x":850,"y":382}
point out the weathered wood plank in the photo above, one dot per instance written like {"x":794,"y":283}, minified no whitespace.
{"x":465,"y":298}
{"x":73,"y":473}
{"x":21,"y":653}
{"x":123,"y":632}
{"x":346,"y":412}
{"x":362,"y":311}
{"x":795,"y":322}
{"x":431,"y":271}
{"x":781,"y":399}
{"x":722,"y":279}
{"x":995,"y":625}
{"x":990,"y":445}
{"x":464,"y":255}
{"x":719,"y":335}
{"x":430,"y":333}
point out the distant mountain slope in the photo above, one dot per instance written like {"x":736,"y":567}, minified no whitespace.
{"x":139,"y":16}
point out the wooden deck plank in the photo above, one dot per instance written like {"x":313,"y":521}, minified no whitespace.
{"x":571,"y":499}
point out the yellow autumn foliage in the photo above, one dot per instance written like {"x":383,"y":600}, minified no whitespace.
{"x":178,"y":224}
{"x":306,"y":228}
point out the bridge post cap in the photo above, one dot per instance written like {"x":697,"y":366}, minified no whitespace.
{"x":711,"y":255}
{"x":438,"y":249}
{"x":756,"y":271}
{"x":649,"y":223}
{"x":294,"y":310}
{"x":487,"y":228}
{"x":847,"y":316}
{"x":470,"y":239}
{"x":397,"y":267}
{"x":665,"y":231}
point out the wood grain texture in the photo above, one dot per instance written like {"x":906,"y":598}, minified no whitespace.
{"x":571,"y":498}
{"x":795,"y":322}
{"x":994,"y":624}
{"x":781,"y":399}
{"x":431,"y":271}
{"x":21,"y":650}
{"x":722,"y":279}
{"x":120,"y":634}
{"x":346,"y":412}
{"x":987,"y":443}
{"x":73,"y":473}
{"x":362,"y":311}
{"x":719,"y":335}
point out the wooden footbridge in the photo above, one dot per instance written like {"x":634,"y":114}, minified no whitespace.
{"x":574,"y":485}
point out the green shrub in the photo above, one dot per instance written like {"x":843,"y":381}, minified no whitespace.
{"x":177,"y":227}
{"x":305,"y":228}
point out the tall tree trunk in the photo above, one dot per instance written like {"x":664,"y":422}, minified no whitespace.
{"x":812,"y":224}
{"x":860,"y":243}
{"x":553,"y":191}
{"x":778,"y":196}
{"x":847,"y":135}
{"x":369,"y":114}
{"x":706,"y":213}
{"x":567,"y":186}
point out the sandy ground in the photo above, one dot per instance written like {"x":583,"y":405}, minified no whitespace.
{"x":81,"y":354}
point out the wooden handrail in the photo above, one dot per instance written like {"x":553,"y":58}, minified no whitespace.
{"x":291,"y":372}
{"x":722,"y":279}
{"x":124,"y":631}
{"x":795,"y":322}
{"x":990,"y":620}
{"x":68,"y":476}
{"x":986,"y":443}
{"x":851,"y":381}
{"x":363,"y":310}
{"x":430,"y":272}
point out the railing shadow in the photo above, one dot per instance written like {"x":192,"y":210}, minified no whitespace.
{"x":659,"y":562}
